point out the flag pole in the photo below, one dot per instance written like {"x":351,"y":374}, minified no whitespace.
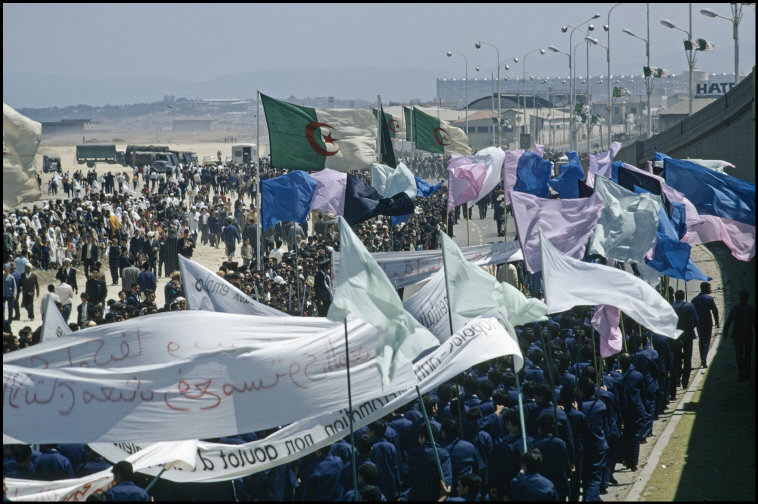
{"x":379,"y":118}
{"x":548,"y":354}
{"x":258,"y":178}
{"x":466,"y":209}
{"x":155,"y":480}
{"x":297,"y":275}
{"x":623,"y":331}
{"x":431,"y":435}
{"x":450,"y":321}
{"x":520,"y":406}
{"x":350,"y":415}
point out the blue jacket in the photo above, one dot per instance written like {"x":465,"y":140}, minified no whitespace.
{"x":51,"y":466}
{"x":424,"y":476}
{"x":322,"y":483}
{"x":532,"y":487}
{"x":555,"y":462}
{"x":384,"y":455}
{"x":598,"y":422}
{"x":632,"y":404}
{"x":464,"y":458}
{"x":687,"y":318}
{"x":127,"y":491}
{"x":704,"y":306}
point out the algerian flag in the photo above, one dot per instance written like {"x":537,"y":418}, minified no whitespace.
{"x":473,"y":292}
{"x":21,"y":138}
{"x":311,"y":139}
{"x":618,"y":92}
{"x":363,"y":289}
{"x":393,"y":125}
{"x":655,"y":72}
{"x":698,"y":45}
{"x":435,"y":135}
{"x":407,"y":116}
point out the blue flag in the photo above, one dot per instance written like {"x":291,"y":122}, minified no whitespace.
{"x":565,"y":184}
{"x":361,"y":200}
{"x":532,"y":175}
{"x":286,"y":198}
{"x":711,"y":192}
{"x":424,"y":189}
{"x":660,"y":156}
{"x":670,"y":256}
{"x":679,"y":218}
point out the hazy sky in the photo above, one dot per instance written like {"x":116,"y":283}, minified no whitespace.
{"x":197,"y":42}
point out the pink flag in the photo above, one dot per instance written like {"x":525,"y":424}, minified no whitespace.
{"x":330,"y":191}
{"x":649,"y":166}
{"x":568,"y":224}
{"x":539,"y":149}
{"x":602,"y":163}
{"x":737,"y":236}
{"x":509,"y":171}
{"x":606,"y":322}
{"x":464,"y":180}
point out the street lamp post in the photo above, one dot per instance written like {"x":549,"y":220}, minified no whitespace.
{"x":607,"y":28}
{"x":735,"y":20}
{"x":594,"y":41}
{"x":478,"y":45}
{"x":449,"y":54}
{"x":649,"y":78}
{"x":691,"y":55}
{"x":492,"y":103}
{"x":564,"y":29}
{"x":523,"y":80}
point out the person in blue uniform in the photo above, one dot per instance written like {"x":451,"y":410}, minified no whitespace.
{"x":705,"y":306}
{"x":125,"y":490}
{"x":322,"y":479}
{"x":596,"y":445}
{"x":464,"y":458}
{"x":645,"y":360}
{"x":580,"y":431}
{"x":556,"y":465}
{"x":51,"y":465}
{"x":688,"y":320}
{"x":507,"y":453}
{"x":530,"y":485}
{"x":425,"y":484}
{"x":633,"y":407}
{"x":741,"y":319}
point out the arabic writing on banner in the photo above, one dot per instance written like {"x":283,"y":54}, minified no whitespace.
{"x":481,"y":339}
{"x":408,"y":268}
{"x":225,"y":388}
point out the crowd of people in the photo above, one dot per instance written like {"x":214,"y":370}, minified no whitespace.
{"x":583,"y":416}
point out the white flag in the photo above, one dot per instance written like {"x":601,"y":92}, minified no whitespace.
{"x":569,"y":282}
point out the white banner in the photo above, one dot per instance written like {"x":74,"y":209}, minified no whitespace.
{"x":430,"y":307}
{"x":53,"y":323}
{"x":207,"y":291}
{"x":480,"y":340}
{"x":408,"y":268}
{"x":173,"y":376}
{"x":180,"y":455}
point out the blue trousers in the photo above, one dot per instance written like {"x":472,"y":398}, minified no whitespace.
{"x":704,"y":341}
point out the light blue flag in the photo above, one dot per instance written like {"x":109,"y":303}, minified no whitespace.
{"x":627,"y":226}
{"x":390,"y":181}
{"x":363,"y":289}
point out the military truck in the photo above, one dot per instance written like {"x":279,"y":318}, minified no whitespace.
{"x":98,"y":153}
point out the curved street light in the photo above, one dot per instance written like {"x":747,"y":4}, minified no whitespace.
{"x":478,"y":45}
{"x":648,"y":78}
{"x":691,"y":54}
{"x":735,"y":20}
{"x":449,"y":54}
{"x":523,"y":78}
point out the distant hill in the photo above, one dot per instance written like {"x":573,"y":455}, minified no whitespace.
{"x":42,"y":91}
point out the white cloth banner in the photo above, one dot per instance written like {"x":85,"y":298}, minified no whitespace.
{"x":180,"y":455}
{"x":569,"y":282}
{"x":481,"y":339}
{"x":390,"y":181}
{"x":429,"y":306}
{"x":53,"y":323}
{"x":408,"y":268}
{"x":198,"y":384}
{"x":205,"y":290}
{"x":493,"y":159}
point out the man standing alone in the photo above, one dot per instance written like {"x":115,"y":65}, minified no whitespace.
{"x":704,"y":306}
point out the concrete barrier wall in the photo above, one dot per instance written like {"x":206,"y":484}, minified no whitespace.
{"x":723,"y":130}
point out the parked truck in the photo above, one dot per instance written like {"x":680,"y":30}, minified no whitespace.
{"x":98,"y":153}
{"x":51,"y":163}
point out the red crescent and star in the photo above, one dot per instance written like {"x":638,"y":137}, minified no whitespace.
{"x":394,"y":125}
{"x":440,"y":136}
{"x":310,"y":129}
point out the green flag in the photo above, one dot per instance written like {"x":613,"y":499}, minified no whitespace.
{"x":618,"y":92}
{"x":311,"y":139}
{"x":388,"y":152}
{"x":655,"y":72}
{"x":435,"y":135}
{"x":407,"y":114}
{"x":698,"y":45}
